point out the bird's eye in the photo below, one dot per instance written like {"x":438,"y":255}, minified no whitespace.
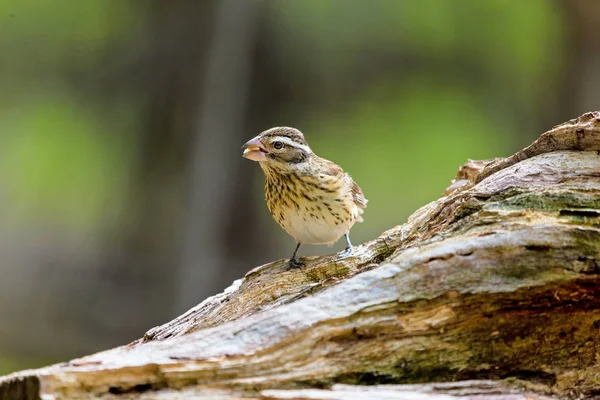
{"x":277,"y":145}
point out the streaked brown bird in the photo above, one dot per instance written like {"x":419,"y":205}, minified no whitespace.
{"x":311,"y":198}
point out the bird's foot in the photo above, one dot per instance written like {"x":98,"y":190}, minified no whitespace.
{"x":294,"y":263}
{"x":346,"y":253}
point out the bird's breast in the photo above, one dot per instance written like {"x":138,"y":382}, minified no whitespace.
{"x":309,"y":213}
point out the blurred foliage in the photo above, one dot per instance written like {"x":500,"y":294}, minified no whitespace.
{"x":64,"y":159}
{"x":55,"y":28}
{"x":57,"y":164}
{"x":514,"y":45}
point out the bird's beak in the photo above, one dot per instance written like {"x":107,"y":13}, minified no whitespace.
{"x":255,"y":151}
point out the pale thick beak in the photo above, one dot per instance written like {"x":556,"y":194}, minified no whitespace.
{"x":255,"y":151}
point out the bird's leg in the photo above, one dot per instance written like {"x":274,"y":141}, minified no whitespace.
{"x":294,"y":261}
{"x":349,"y":249}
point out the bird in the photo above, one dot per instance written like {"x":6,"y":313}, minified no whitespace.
{"x":311,"y":198}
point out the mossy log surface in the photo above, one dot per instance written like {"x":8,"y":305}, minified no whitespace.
{"x":493,"y":289}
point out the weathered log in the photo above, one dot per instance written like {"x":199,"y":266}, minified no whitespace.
{"x":497,"y":280}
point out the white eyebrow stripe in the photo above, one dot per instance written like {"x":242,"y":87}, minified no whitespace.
{"x":290,"y":142}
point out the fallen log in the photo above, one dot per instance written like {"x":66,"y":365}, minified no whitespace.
{"x":490,"y":292}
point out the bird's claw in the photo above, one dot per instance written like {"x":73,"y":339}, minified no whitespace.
{"x":294,"y":263}
{"x":346,"y":253}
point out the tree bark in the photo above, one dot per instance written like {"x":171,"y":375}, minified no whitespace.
{"x":493,"y":289}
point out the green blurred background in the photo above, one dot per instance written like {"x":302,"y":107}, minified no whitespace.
{"x":124,"y":199}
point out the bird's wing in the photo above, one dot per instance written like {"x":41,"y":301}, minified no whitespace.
{"x":358,"y":196}
{"x":357,"y":193}
{"x":333,"y":169}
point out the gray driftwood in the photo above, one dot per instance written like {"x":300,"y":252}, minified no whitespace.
{"x":493,"y":289}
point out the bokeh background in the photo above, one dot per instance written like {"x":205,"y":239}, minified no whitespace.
{"x":124,"y":199}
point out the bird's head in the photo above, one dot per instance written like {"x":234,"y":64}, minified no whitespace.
{"x":280,"y":147}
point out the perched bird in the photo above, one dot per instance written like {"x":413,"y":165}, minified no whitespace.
{"x":311,"y":198}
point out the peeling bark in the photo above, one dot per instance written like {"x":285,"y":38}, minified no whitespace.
{"x":497,"y":280}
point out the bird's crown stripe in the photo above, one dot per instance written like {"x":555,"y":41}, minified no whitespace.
{"x":292,"y":143}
